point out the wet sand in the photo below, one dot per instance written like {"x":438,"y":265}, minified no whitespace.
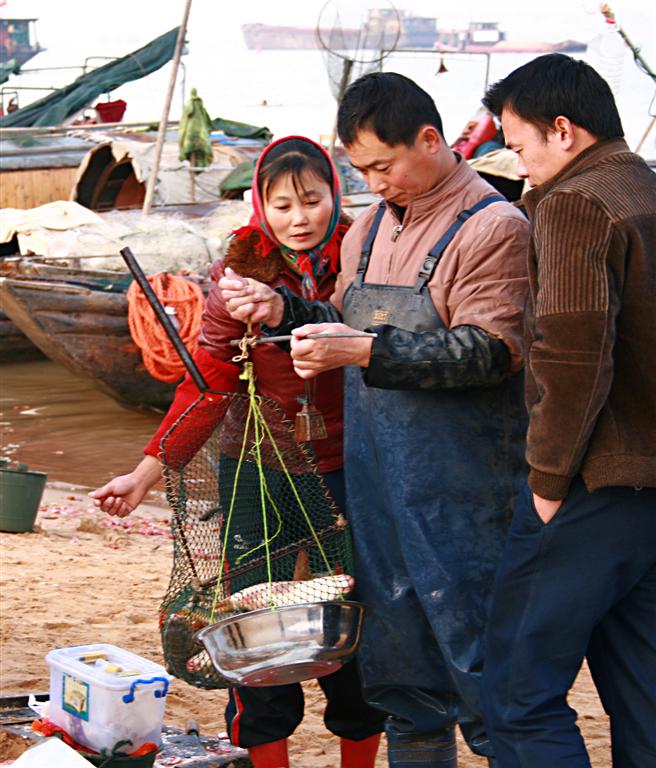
{"x":80,"y":578}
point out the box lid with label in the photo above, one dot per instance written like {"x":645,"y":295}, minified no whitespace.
{"x":105,"y":665}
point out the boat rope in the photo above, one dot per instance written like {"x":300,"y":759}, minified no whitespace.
{"x":183,"y":300}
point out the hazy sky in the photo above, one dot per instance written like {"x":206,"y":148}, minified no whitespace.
{"x":115,"y":26}
{"x":71,"y":30}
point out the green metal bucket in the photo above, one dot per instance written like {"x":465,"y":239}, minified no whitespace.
{"x":20,"y":495}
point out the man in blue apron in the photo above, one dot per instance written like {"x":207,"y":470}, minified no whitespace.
{"x":434,"y":421}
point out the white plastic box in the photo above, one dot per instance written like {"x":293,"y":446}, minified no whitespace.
{"x":101,"y":694}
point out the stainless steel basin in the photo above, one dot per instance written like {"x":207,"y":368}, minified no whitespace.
{"x":274,"y":646}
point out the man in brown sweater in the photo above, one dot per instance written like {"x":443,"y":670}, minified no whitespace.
{"x":578,"y":575}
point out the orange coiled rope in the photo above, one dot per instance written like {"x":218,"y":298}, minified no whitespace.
{"x":183,"y":300}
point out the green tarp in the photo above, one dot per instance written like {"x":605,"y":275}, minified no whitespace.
{"x":8,"y":68}
{"x":242,"y":130}
{"x":55,"y":108}
{"x":239,"y":179}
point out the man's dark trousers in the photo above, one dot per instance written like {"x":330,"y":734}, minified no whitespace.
{"x":584,"y":585}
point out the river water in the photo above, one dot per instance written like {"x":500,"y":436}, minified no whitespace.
{"x":60,"y":424}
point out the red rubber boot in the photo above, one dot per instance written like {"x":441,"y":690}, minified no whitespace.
{"x":359,"y":754}
{"x":271,"y":755}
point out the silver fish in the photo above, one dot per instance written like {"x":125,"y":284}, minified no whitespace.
{"x":279,"y":593}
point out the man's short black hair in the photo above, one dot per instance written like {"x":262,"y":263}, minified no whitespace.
{"x":391,"y":105}
{"x":554,"y":85}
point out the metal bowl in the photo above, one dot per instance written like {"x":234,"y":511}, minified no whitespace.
{"x":275,"y":646}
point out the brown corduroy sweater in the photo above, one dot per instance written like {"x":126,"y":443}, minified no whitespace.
{"x":591,"y":324}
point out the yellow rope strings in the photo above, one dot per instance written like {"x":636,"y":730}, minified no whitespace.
{"x":261,"y":431}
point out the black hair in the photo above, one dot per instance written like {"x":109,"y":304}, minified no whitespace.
{"x":293,"y":157}
{"x":391,"y":105}
{"x":553,"y":85}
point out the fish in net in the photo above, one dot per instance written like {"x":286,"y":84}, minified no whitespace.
{"x":254,"y":525}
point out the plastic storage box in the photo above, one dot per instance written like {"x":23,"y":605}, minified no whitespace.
{"x":101,"y":694}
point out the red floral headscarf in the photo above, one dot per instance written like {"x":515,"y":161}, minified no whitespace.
{"x":314,"y":262}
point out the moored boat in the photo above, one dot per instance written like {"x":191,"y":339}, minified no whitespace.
{"x":15,"y":347}
{"x":81,"y":322}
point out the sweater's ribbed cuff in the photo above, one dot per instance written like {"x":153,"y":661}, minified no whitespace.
{"x":288,"y":321}
{"x":554,"y":487}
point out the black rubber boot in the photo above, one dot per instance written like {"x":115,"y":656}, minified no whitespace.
{"x":437,"y":750}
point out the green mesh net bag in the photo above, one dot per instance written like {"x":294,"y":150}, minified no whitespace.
{"x":254,"y":525}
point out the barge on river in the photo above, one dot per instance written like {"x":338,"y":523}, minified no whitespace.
{"x":386,"y":29}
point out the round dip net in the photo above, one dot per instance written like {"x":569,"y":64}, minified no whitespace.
{"x":254,"y":525}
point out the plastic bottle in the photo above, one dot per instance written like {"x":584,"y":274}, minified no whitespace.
{"x":606,"y":54}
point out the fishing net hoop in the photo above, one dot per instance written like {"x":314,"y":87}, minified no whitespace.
{"x":346,"y":62}
{"x":206,"y":569}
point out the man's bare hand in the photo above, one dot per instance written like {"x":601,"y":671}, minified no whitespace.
{"x":250,"y":301}
{"x":546,"y":508}
{"x":314,"y":356}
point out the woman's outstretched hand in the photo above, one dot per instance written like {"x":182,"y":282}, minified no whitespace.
{"x":249,"y":301}
{"x":124,"y":493}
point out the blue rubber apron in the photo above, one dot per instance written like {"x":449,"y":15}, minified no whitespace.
{"x":431,"y":478}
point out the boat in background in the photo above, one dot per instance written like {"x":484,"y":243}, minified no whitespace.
{"x":381,"y":30}
{"x":18,"y":42}
{"x":486,"y":37}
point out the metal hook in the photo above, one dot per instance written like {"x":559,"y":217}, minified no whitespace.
{"x":244,"y":344}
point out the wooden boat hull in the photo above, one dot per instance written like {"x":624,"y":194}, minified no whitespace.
{"x":15,"y":347}
{"x":85,"y":330}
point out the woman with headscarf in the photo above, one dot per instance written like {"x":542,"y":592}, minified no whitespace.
{"x":293,"y":240}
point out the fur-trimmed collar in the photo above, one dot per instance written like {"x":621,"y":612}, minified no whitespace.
{"x":242,"y":256}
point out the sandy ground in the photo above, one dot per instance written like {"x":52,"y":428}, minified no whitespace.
{"x":78,"y":579}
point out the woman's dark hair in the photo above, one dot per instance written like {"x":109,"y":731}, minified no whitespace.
{"x":391,"y":105}
{"x":293,"y":157}
{"x":553,"y":85}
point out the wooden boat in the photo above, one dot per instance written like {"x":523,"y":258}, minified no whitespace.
{"x":15,"y":347}
{"x":79,"y":319}
{"x":35,"y":175}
